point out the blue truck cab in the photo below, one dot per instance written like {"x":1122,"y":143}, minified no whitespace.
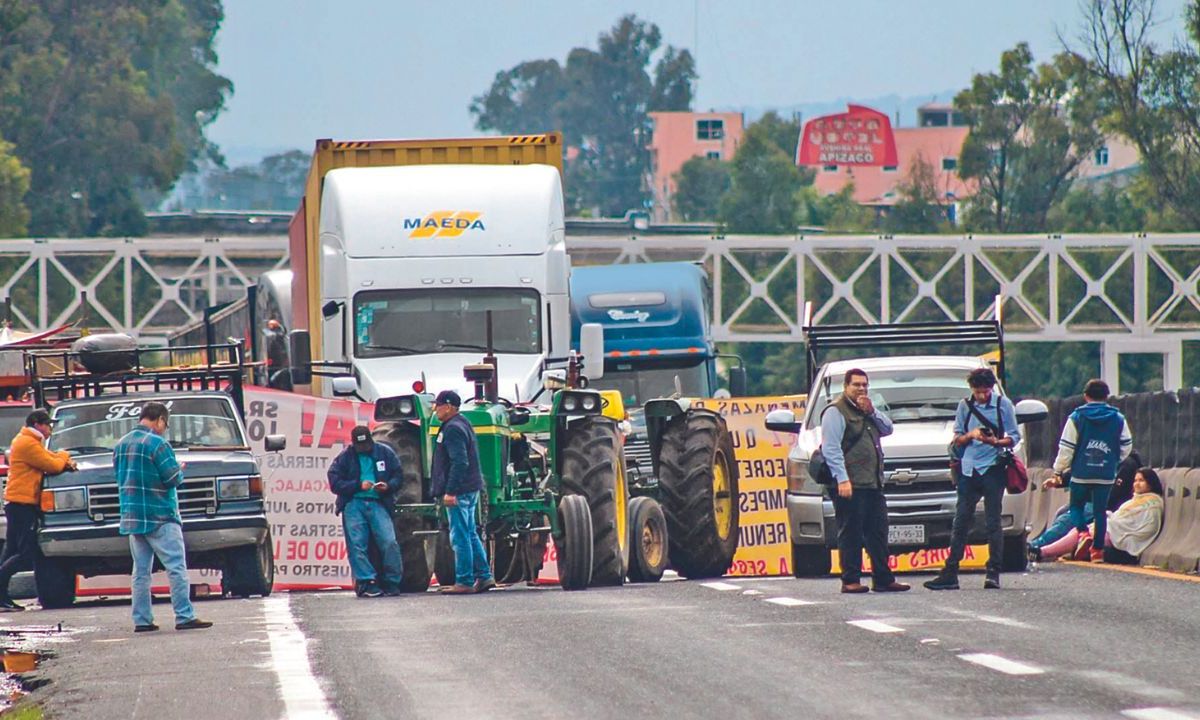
{"x":657,"y":333}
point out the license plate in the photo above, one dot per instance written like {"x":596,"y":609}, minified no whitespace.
{"x":906,"y":535}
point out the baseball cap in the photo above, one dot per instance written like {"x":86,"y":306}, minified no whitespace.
{"x":447,"y":397}
{"x":38,"y":417}
{"x":361,"y":436}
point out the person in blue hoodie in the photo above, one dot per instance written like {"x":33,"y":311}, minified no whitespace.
{"x":1094,"y":441}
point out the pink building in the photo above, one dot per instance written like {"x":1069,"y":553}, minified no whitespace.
{"x":679,"y":136}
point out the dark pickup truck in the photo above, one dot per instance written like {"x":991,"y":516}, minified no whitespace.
{"x":220,"y":500}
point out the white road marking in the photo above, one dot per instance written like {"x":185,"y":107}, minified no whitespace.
{"x":994,"y":619}
{"x":1157,"y":713}
{"x":752,"y":592}
{"x":298,"y":687}
{"x":1004,"y":665}
{"x":720,"y":586}
{"x":788,"y":601}
{"x":875,"y":626}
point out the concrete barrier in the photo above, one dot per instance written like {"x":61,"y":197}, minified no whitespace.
{"x":1175,"y":522}
{"x":1185,"y":554}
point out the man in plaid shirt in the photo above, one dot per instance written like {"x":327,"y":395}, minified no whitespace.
{"x":147,"y":475}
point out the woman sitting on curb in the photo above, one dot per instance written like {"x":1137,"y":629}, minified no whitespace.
{"x":1131,"y":528}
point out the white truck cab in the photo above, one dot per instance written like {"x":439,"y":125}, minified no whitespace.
{"x":920,"y":394}
{"x":413,"y":260}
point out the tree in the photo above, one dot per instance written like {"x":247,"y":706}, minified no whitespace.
{"x":104,"y":100}
{"x":1153,"y":96}
{"x":837,"y":212}
{"x":919,"y":209}
{"x":601,"y":99}
{"x":1030,"y":130}
{"x":14,"y":183}
{"x":699,"y":186}
{"x":764,"y":197}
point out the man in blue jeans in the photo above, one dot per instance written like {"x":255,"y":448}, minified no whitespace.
{"x":458,"y":481}
{"x":985,"y":424}
{"x":148,"y":475}
{"x":366,"y":477}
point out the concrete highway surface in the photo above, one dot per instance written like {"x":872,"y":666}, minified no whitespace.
{"x":1062,"y":641}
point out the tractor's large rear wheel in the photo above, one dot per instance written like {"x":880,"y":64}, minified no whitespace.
{"x":699,"y":483}
{"x":413,"y":552}
{"x":574,"y":544}
{"x":592,"y":468}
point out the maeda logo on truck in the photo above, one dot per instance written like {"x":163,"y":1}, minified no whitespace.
{"x":443,"y":223}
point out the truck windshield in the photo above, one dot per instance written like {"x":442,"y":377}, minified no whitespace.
{"x":194,"y":422}
{"x":412,"y":322}
{"x":905,"y":395}
{"x":637,"y":384}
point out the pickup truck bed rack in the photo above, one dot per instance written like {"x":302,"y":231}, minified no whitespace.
{"x":55,"y":375}
{"x":970,"y":332}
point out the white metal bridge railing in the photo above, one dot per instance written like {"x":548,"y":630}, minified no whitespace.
{"x":1128,"y":293}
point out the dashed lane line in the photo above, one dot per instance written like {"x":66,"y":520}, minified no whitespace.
{"x":789,"y":601}
{"x":1157,"y":713}
{"x":875,"y":626}
{"x":1004,"y":665}
{"x":723,"y":586}
{"x":302,"y":696}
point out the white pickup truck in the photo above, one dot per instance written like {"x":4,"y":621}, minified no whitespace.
{"x":920,"y":394}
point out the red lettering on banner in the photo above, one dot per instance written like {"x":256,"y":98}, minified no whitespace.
{"x":339,"y":421}
{"x":308,"y":418}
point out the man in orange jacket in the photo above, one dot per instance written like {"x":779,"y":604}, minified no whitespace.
{"x":29,"y":463}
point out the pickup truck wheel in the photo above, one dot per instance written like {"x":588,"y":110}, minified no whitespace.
{"x":404,"y":441}
{"x":810,"y":561}
{"x":1016,"y":556}
{"x":648,"y":541}
{"x":574,"y":545}
{"x":250,"y":570}
{"x":592,"y":467}
{"x":55,"y":581}
{"x":699,"y":483}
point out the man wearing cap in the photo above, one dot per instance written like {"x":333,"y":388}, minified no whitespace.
{"x":30,"y":463}
{"x":458,"y":481}
{"x":366,"y":477}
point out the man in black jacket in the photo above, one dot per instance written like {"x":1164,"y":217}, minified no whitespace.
{"x":458,"y":481}
{"x":366,"y":477}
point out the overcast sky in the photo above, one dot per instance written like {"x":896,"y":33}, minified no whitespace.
{"x":378,"y":69}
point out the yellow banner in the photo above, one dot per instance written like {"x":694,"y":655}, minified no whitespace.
{"x":764,"y":547}
{"x":974,"y":556}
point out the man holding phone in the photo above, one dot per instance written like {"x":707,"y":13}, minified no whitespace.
{"x":366,"y":477}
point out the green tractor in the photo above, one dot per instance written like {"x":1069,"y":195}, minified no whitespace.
{"x":548,"y":472}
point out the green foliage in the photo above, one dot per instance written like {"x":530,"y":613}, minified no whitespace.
{"x":103,"y":100}
{"x":601,"y":99}
{"x":14,"y":183}
{"x":275,"y":183}
{"x":919,"y":209}
{"x":837,"y":212}
{"x":1152,"y":96}
{"x":766,"y":183}
{"x":699,"y":186}
{"x":1030,"y":130}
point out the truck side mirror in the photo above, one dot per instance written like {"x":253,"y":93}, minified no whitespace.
{"x":1031,"y":411}
{"x":275,"y":443}
{"x":345,"y":386}
{"x":591,"y":346}
{"x":330,"y":309}
{"x":301,"y":354}
{"x":737,"y":381}
{"x":782,"y":421}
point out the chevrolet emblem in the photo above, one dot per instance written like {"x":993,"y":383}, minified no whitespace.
{"x":903,"y":477}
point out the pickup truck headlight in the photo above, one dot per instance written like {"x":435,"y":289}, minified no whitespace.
{"x":239,"y":488}
{"x":798,"y":480}
{"x":64,"y":500}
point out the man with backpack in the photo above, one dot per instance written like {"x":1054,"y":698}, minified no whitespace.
{"x":1094,"y":441}
{"x":985,"y":426}
{"x":850,"y":431}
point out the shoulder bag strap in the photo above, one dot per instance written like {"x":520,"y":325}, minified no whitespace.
{"x":983,"y":420}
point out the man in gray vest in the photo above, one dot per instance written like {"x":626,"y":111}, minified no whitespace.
{"x":850,"y":431}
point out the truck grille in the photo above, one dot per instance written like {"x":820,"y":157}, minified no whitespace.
{"x":196,"y":497}
{"x":904,"y":476}
{"x":637,"y":455}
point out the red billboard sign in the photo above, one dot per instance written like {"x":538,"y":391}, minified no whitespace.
{"x":861,"y":136}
